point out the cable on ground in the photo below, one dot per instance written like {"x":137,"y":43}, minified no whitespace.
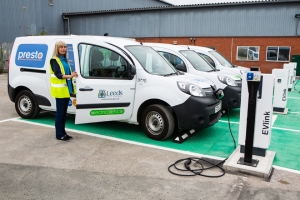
{"x":197,"y":170}
{"x":295,"y":86}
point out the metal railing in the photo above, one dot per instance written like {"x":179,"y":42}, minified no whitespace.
{"x":5,"y":50}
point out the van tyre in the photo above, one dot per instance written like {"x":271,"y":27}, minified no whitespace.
{"x":26,"y":105}
{"x":158,"y":122}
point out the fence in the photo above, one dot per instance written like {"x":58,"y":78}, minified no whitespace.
{"x":5,"y":50}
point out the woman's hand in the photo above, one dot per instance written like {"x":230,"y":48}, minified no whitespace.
{"x":74,"y":74}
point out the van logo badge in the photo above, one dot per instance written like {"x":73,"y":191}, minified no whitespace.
{"x":101,"y":94}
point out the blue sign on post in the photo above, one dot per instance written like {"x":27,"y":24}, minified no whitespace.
{"x":31,"y":55}
{"x":250,"y":76}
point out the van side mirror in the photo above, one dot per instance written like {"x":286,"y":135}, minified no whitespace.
{"x":181,"y":67}
{"x":131,"y":72}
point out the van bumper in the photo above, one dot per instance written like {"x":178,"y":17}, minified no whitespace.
{"x":197,"y":113}
{"x":233,"y":97}
{"x":10,"y":91}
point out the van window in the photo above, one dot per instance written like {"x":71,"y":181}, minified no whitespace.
{"x":174,"y":60}
{"x":208,"y":59}
{"x":151,"y":61}
{"x":221,"y":59}
{"x":197,"y":61}
{"x":100,"y":62}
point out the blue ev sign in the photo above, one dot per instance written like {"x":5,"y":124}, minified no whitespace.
{"x":31,"y":55}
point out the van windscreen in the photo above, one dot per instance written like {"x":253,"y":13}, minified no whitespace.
{"x":197,"y":61}
{"x":151,"y":61}
{"x":221,"y":59}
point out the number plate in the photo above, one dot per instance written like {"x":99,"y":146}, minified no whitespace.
{"x":218,"y":108}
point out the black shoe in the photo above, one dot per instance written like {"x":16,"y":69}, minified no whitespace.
{"x":65,"y":138}
{"x":70,"y":137}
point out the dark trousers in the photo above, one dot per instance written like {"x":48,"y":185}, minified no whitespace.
{"x":60,"y":117}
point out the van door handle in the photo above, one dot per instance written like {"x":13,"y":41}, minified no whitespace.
{"x":86,"y":89}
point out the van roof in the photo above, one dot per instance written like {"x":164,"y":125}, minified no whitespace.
{"x":122,"y":41}
{"x":168,"y":46}
{"x":200,"y":48}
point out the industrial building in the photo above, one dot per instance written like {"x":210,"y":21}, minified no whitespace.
{"x":263,"y":33}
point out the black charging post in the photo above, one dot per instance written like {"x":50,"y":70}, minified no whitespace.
{"x":253,"y":81}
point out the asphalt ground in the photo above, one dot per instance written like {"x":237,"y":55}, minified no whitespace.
{"x":34,"y":165}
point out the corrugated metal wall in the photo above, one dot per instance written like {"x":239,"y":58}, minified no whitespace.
{"x":246,"y":20}
{"x":31,"y":17}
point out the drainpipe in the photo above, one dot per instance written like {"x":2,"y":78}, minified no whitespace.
{"x":231,"y":49}
{"x":67,"y":18}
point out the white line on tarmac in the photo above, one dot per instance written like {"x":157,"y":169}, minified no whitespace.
{"x":148,"y":145}
{"x":285,"y":129}
{"x":294,"y":112}
{"x":286,"y":169}
{"x":6,"y":120}
{"x":122,"y":140}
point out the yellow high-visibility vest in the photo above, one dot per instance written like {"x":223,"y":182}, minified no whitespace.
{"x":59,"y":87}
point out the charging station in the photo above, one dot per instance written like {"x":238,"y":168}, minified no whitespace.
{"x":280,"y":90}
{"x":292,"y":73}
{"x":255,"y":130}
{"x":263,"y":115}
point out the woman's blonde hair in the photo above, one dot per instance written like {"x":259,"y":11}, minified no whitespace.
{"x":57,"y":45}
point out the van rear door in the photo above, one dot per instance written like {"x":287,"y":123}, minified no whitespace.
{"x":104,"y":93}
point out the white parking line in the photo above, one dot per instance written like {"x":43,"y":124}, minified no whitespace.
{"x":286,"y":169}
{"x":294,"y":112}
{"x":285,"y":129}
{"x":6,"y":120}
{"x":147,"y":145}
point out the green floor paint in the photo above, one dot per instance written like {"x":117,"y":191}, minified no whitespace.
{"x":213,"y":141}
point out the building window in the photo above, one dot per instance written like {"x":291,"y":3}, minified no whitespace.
{"x":250,"y":53}
{"x":50,"y":2}
{"x":278,"y":53}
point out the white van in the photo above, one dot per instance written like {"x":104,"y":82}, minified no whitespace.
{"x":217,"y":60}
{"x":189,"y":61}
{"x":118,"y":80}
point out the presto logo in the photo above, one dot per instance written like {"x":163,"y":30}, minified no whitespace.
{"x":30,"y":55}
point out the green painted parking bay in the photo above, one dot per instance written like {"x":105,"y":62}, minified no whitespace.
{"x":213,"y":141}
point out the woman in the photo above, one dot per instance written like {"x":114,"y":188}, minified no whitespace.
{"x":62,"y":87}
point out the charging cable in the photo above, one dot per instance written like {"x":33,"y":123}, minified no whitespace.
{"x":229,"y":123}
{"x":295,"y":86}
{"x":197,"y":169}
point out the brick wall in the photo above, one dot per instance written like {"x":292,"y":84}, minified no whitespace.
{"x":227,"y":46}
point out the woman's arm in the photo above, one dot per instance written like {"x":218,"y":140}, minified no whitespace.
{"x":56,"y":69}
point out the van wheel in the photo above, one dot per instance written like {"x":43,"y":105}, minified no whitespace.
{"x":158,"y":122}
{"x":26,"y":105}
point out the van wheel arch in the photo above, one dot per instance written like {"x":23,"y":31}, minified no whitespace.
{"x":147,"y":103}
{"x":17,"y":90}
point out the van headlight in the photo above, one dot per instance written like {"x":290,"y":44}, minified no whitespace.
{"x":227,"y":80}
{"x":191,"y":89}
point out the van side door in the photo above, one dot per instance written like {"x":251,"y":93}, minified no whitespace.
{"x":104,"y":90}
